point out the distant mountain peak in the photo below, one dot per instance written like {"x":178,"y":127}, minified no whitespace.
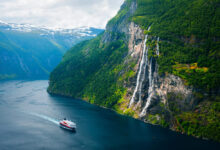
{"x":43,"y":30}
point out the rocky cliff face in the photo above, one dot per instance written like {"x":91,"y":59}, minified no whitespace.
{"x":161,"y":86}
{"x":120,"y":24}
{"x":120,"y":70}
{"x":151,"y":97}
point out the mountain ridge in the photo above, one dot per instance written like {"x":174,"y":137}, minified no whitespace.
{"x":29,"y":52}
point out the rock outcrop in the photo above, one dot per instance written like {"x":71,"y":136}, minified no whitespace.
{"x":121,"y":70}
{"x":149,"y":93}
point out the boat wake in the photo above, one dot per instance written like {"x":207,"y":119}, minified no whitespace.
{"x":46,"y":118}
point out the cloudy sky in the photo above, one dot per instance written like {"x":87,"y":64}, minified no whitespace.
{"x":59,"y":13}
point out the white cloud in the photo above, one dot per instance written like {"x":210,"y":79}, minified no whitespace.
{"x":59,"y":13}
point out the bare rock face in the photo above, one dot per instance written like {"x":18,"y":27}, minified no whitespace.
{"x":151,"y":94}
{"x":135,"y":51}
{"x":120,"y":27}
{"x":172,"y":87}
{"x":158,"y":96}
{"x":136,"y":41}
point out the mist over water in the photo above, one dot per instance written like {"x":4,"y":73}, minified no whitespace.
{"x":30,"y":118}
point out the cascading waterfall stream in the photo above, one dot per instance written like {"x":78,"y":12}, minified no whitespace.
{"x":150,"y":89}
{"x":143,"y":77}
{"x":141,"y":67}
{"x":158,"y":48}
{"x":151,"y":82}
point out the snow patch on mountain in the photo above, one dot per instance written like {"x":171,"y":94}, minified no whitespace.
{"x":46,"y":31}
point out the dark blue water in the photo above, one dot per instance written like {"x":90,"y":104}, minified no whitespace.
{"x":29,"y":120}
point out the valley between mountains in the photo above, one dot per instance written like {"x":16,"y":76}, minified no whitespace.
{"x":30,"y":52}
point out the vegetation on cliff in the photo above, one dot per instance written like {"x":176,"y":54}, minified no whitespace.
{"x":203,"y":121}
{"x":189,"y":48}
{"x":190,"y":34}
{"x":92,"y":70}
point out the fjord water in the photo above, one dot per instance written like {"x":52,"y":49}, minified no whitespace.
{"x":29,"y":120}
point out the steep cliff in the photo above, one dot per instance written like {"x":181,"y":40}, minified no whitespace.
{"x":149,"y":64}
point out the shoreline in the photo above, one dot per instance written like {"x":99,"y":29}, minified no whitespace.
{"x":171,"y":129}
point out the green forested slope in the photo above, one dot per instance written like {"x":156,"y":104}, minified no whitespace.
{"x":90,"y":70}
{"x":190,"y":32}
{"x":27,"y":55}
{"x":189,"y":48}
{"x":33,"y":52}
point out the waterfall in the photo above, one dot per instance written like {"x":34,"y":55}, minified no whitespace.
{"x":140,"y":80}
{"x":150,"y":88}
{"x":143,"y":77}
{"x":151,"y":82}
{"x":158,"y":48}
{"x":139,"y":73}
